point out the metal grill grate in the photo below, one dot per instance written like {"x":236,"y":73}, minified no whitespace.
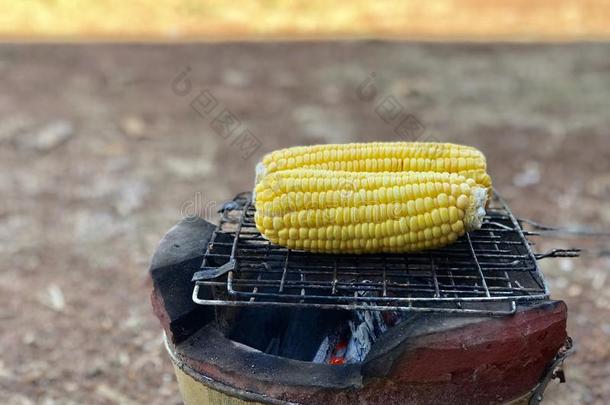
{"x":485,"y":272}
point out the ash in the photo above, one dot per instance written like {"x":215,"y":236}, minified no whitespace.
{"x":351,"y":341}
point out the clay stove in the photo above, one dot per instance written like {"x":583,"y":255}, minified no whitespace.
{"x":251,"y":322}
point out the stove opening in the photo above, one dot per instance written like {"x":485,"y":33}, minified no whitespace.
{"x":310,"y":334}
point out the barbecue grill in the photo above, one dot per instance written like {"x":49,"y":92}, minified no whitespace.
{"x":488,"y":271}
{"x":471,"y":322}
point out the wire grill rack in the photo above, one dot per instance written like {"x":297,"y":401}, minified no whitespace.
{"x":488,"y":271}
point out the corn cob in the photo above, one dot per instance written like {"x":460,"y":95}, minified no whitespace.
{"x":381,"y":157}
{"x":366,"y":212}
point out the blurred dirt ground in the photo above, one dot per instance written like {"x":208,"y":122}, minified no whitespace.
{"x":99,"y":157}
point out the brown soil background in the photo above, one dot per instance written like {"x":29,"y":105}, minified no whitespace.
{"x":98,"y":158}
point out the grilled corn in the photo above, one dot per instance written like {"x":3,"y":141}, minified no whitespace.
{"x":382,"y":157}
{"x":336,"y":211}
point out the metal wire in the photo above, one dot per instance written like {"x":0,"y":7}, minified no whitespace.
{"x":485,"y":272}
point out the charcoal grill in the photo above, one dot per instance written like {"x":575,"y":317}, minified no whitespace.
{"x":477,"y":324}
{"x":488,"y":271}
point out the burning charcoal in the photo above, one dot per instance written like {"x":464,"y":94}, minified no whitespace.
{"x":324,"y":351}
{"x":367,"y":327}
{"x":339,"y":352}
{"x":332,"y":348}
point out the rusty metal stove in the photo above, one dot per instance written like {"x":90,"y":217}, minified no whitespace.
{"x":477,"y":324}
